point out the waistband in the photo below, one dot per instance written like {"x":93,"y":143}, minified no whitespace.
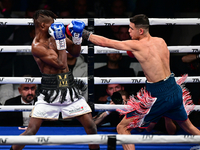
{"x":57,"y":81}
{"x":162,"y":88}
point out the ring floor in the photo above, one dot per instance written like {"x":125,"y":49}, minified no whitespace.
{"x":80,"y":131}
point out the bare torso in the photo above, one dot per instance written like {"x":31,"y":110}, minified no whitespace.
{"x":46,"y":56}
{"x":153,"y":56}
{"x":151,"y":52}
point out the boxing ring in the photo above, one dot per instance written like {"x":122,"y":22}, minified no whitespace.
{"x":75,"y":137}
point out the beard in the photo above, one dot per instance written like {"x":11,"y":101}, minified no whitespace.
{"x":29,"y":98}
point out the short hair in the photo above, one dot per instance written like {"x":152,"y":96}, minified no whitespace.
{"x":43,"y":13}
{"x":123,"y":92}
{"x":140,"y":21}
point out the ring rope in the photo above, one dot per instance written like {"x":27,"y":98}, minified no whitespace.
{"x":136,"y":80}
{"x":172,"y":49}
{"x":29,"y":80}
{"x":27,"y":49}
{"x":98,"y":49}
{"x":29,"y":21}
{"x":98,"y":139}
{"x":97,"y":80}
{"x":97,"y":107}
{"x":107,"y":21}
{"x":152,"y":21}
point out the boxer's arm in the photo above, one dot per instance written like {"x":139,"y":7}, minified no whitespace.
{"x":128,"y":45}
{"x":190,"y":57}
{"x":99,"y":119}
{"x":73,"y":49}
{"x":49,"y":56}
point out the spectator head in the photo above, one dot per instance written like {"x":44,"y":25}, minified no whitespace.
{"x":28,"y":92}
{"x":30,"y":11}
{"x":118,"y":9}
{"x":111,"y":88}
{"x":115,"y":57}
{"x":81,"y":7}
{"x":64,"y":14}
{"x":125,"y":96}
{"x":123,"y":33}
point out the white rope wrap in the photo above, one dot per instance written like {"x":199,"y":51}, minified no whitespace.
{"x":152,"y":21}
{"x":103,"y":107}
{"x":135,"y":80}
{"x":106,"y":21}
{"x":97,"y":80}
{"x":172,"y":49}
{"x":29,"y":21}
{"x":98,"y":139}
{"x":158,"y":139}
{"x":27,"y":49}
{"x":98,"y":49}
{"x":97,"y":107}
{"x":29,"y":80}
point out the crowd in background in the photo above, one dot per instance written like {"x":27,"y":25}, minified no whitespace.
{"x":118,"y":65}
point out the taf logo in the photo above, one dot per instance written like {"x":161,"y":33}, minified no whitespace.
{"x":30,"y":23}
{"x":196,"y":80}
{"x":1,"y":79}
{"x":3,"y":141}
{"x":109,"y":24}
{"x":105,"y":81}
{"x":3,"y":23}
{"x":29,"y":80}
{"x":43,"y":139}
{"x":195,"y":50}
{"x":136,"y":80}
{"x":147,"y":137}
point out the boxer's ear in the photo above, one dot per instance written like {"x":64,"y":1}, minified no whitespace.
{"x":141,"y":31}
{"x":42,"y":25}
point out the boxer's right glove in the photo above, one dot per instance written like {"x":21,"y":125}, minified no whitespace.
{"x":57,"y":31}
{"x":75,"y":29}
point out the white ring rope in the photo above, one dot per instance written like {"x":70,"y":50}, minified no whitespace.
{"x":172,"y":49}
{"x":152,"y":21}
{"x":98,"y":139}
{"x":29,"y":21}
{"x":27,"y":49}
{"x":106,"y":21}
{"x":29,"y":80}
{"x":98,"y":49}
{"x":97,"y":107}
{"x":97,"y":80}
{"x":136,"y":80}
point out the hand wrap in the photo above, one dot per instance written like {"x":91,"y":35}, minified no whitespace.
{"x":86,"y":34}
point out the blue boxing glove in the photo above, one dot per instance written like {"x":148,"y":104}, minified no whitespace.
{"x":75,"y":29}
{"x":57,"y":31}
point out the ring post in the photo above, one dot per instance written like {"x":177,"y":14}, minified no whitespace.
{"x":111,"y":142}
{"x":91,"y":63}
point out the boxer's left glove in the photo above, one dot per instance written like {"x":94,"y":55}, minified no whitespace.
{"x":75,"y":29}
{"x":57,"y":31}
